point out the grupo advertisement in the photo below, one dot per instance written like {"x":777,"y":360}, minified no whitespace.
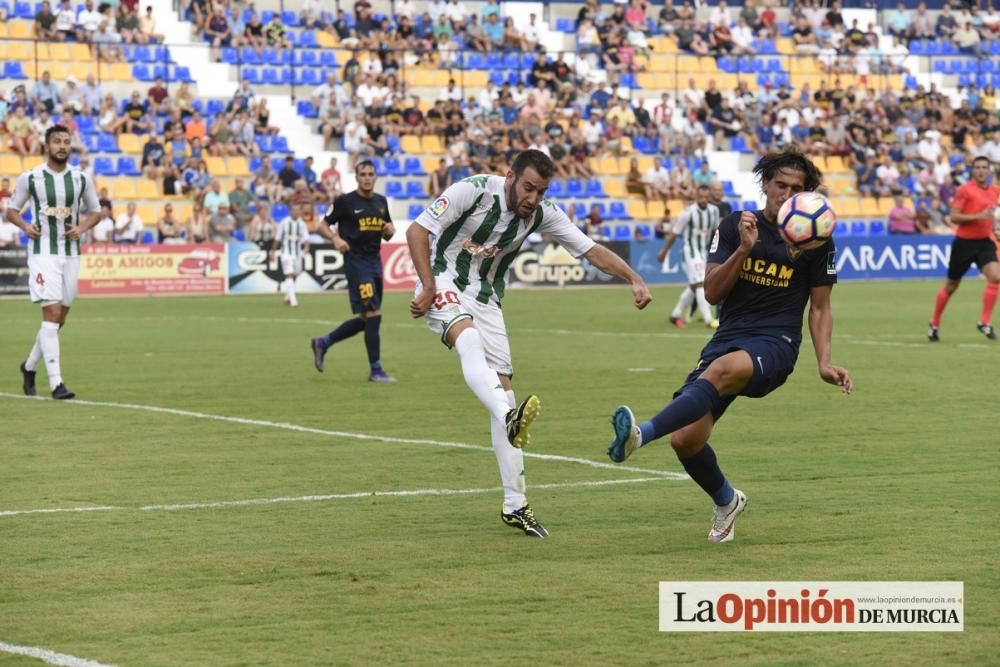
{"x":550,"y":264}
{"x":14,"y":270}
{"x":255,"y":270}
{"x":152,"y":269}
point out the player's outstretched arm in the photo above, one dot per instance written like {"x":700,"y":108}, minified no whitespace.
{"x":418,"y":238}
{"x":821,"y":330}
{"x":614,"y":265}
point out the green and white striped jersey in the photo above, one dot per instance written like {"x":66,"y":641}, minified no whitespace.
{"x":477,"y":237}
{"x":696,"y":226}
{"x":292,"y":236}
{"x":57,"y":200}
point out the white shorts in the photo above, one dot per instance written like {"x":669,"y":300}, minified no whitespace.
{"x":694,"y":268}
{"x":52,"y":279}
{"x":452,"y":306}
{"x":291,"y":265}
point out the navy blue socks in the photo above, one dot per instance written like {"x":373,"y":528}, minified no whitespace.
{"x":697,"y":400}
{"x":373,"y":341}
{"x":704,"y":469}
{"x":345,"y":330}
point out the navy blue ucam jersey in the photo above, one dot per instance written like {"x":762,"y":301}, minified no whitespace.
{"x":360,"y":222}
{"x":771,"y":293}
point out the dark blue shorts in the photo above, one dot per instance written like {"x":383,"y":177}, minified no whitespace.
{"x":364,"y":285}
{"x":774,"y":360}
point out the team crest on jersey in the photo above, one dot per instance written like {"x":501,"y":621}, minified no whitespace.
{"x":439,"y":206}
{"x":715,"y":241}
{"x":793,"y":252}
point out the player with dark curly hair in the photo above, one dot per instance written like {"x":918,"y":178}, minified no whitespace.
{"x":762,"y":286}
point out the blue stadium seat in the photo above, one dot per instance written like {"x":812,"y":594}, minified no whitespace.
{"x":256,"y":162}
{"x":414,"y":210}
{"x":238,"y":235}
{"x":307,"y":76}
{"x":213,"y":107}
{"x":270,"y":76}
{"x":556,"y":189}
{"x":230,"y":56}
{"x":749,"y":205}
{"x":622,"y":233}
{"x":579,"y":210}
{"x":878,"y":228}
{"x":280,"y":144}
{"x":645,"y":231}
{"x":328,"y":58}
{"x":595,"y":189}
{"x":510,"y":61}
{"x":306,"y":57}
{"x":249,"y":56}
{"x":392,"y":167}
{"x":290,"y":18}
{"x":394,"y":189}
{"x":147,"y":237}
{"x":251,"y":74}
{"x":105,"y":166}
{"x":86,"y":124}
{"x":413,"y":167}
{"x":476,"y":61}
{"x":307,"y":39}
{"x":574,"y":187}
{"x":182,"y":74}
{"x":393,"y":143}
{"x":774,"y":65}
{"x":496,"y":77}
{"x":106,"y":143}
{"x":306,"y":109}
{"x":279,"y":210}
{"x":564,"y":24}
{"x":727,"y":65}
{"x":415,"y":189}
{"x":617,"y":211}
{"x":90,"y":141}
{"x":127,"y":166}
{"x":12,"y":70}
{"x":739,"y":144}
{"x":859,"y":228}
{"x":840,"y":229}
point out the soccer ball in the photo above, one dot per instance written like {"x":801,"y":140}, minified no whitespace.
{"x":806,"y":220}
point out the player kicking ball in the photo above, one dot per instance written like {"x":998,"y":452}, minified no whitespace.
{"x":757,"y":343}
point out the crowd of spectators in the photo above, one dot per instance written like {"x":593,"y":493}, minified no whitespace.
{"x":106,"y":27}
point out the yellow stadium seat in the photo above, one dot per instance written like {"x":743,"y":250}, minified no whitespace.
{"x":149,"y":215}
{"x":19,"y":30}
{"x":637,"y":209}
{"x":706,"y":65}
{"x":418,"y":78}
{"x":60,"y":51}
{"x":119,"y":72}
{"x":675,"y":206}
{"x":59,"y":71}
{"x":431,"y":143}
{"x":594,"y":163}
{"x":123,"y":188}
{"x":687,"y":64}
{"x":785,"y":45}
{"x":615,"y":187}
{"x":727,"y":81}
{"x":430,"y":163}
{"x":851,"y":206}
{"x":42,"y":51}
{"x":148,"y":189}
{"x":655,"y":209}
{"x":182,"y":209}
{"x":325,"y":39}
{"x":80,"y":53}
{"x":607,"y":166}
{"x":82,"y":70}
{"x":410,"y":143}
{"x":216,"y":165}
{"x":626,"y":145}
{"x":10,"y":165}
{"x":3,"y":30}
{"x":885,"y":204}
{"x":473,"y":79}
{"x":238,"y":166}
{"x":835,"y":165}
{"x":19,"y":50}
{"x":656,"y":80}
{"x":645,"y":163}
{"x":129,"y":143}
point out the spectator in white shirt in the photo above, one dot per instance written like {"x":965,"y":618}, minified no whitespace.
{"x":128,"y":226}
{"x":656,"y":181}
{"x":88,"y":20}
{"x":406,"y":8}
{"x":437,"y":9}
{"x":10,"y":234}
{"x":719,"y":16}
{"x":104,"y":230}
{"x":457,"y":12}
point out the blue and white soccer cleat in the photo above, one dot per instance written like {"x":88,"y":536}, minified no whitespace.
{"x":724,"y":521}
{"x":627,"y":435}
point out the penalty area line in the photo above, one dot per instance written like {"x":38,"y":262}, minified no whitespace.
{"x":347,"y":434}
{"x":50,"y":657}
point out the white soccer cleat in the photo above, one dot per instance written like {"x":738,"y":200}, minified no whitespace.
{"x":724,"y":522}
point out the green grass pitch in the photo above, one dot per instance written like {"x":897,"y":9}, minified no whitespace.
{"x":896,"y":482}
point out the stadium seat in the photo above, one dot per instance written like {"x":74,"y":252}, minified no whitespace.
{"x":279,"y":144}
{"x":412,"y":167}
{"x":148,"y":189}
{"x":557,"y":189}
{"x":841,"y":229}
{"x":574,"y":187}
{"x":126,"y":166}
{"x":106,"y":143}
{"x":878,"y":228}
{"x":279,"y":210}
{"x":595,"y":189}
{"x":148,"y":237}
{"x":645,"y":232}
{"x":391,"y":167}
{"x":103,"y":166}
{"x":238,"y":235}
{"x":394,"y":190}
{"x":414,"y":210}
{"x":637,"y":209}
{"x":617,"y":211}
{"x":237,"y":166}
{"x":622,"y":233}
{"x":415,"y":189}
{"x":859,"y":228}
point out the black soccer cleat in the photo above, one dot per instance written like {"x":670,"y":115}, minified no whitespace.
{"x":318,"y":348}
{"x":986,"y":330}
{"x":525,"y":520}
{"x":520,"y":419}
{"x":62,"y":392}
{"x":28,"y":381}
{"x":932,"y":333}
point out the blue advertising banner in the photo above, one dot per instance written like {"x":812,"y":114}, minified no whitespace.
{"x":858,"y":258}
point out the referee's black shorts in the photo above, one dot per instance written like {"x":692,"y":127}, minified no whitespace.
{"x":966,"y":251}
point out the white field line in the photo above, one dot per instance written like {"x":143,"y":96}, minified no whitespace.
{"x":346,"y":434}
{"x":329,"y":497}
{"x":50,"y":657}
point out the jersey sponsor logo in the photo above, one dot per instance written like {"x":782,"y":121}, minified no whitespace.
{"x":55,"y":211}
{"x":715,"y":241}
{"x":765,"y":273}
{"x":370,"y":224}
{"x":474,"y":248}
{"x":439,"y":206}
